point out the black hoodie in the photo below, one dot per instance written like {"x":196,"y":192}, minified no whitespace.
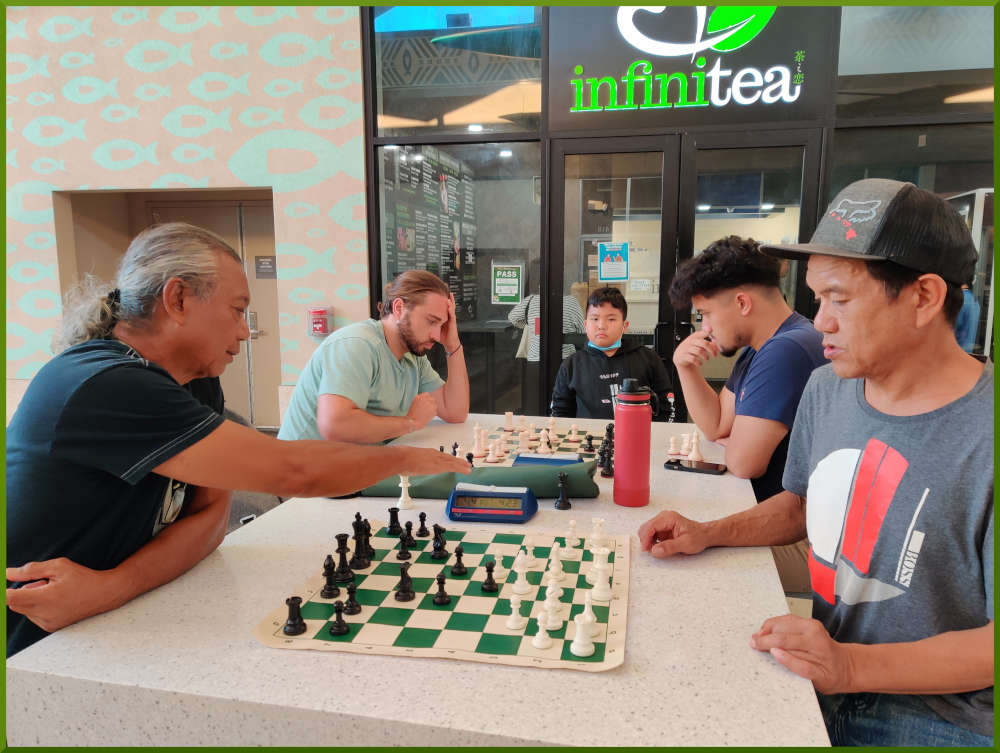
{"x":588,"y":379}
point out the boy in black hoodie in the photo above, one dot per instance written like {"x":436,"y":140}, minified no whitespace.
{"x":590,"y":378}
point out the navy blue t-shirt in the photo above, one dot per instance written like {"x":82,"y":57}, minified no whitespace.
{"x":81,"y":449}
{"x":768,"y":384}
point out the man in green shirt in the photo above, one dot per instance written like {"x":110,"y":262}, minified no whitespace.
{"x":371,"y":381}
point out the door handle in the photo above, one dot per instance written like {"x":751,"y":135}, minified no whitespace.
{"x":252,"y":325}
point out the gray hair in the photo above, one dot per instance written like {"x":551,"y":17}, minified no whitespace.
{"x":157,"y":254}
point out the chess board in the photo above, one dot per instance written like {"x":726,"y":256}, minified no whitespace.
{"x":472,"y":627}
{"x":558,"y":442}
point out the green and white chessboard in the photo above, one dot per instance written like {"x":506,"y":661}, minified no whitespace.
{"x":558,"y":442}
{"x":472,"y":627}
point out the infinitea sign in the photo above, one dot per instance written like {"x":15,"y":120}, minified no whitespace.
{"x":638,"y":67}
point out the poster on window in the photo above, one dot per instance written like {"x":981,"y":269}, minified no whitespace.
{"x":612,"y":262}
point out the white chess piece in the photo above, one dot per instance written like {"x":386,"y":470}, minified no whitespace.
{"x":555,"y":563}
{"x":516,"y":621}
{"x":599,"y":564}
{"x":572,"y":541}
{"x":673,"y":447}
{"x":405,"y":501}
{"x":529,"y":554}
{"x":572,"y":434}
{"x":602,"y":589}
{"x":695,"y":453}
{"x":499,"y":574}
{"x":522,"y":425}
{"x":508,"y":420}
{"x":552,"y":589}
{"x":685,"y":444}
{"x":502,"y":447}
{"x":541,"y":639}
{"x":531,"y":432}
{"x":590,"y":618}
{"x":491,"y":456}
{"x":522,"y":442}
{"x":521,"y":586}
{"x":552,"y":425}
{"x":596,"y":533}
{"x":582,"y":644}
{"x":553,"y":621}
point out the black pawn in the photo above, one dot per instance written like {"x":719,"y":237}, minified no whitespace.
{"x":602,"y":455}
{"x":441,"y":598}
{"x":343,"y":573}
{"x":370,"y":554}
{"x":454,"y":449}
{"x":563,"y":502}
{"x":469,"y":457}
{"x":422,"y":532}
{"x":458,"y":568}
{"x":329,"y":570}
{"x":352,"y":605}
{"x":394,"y":528}
{"x":608,"y":471}
{"x":441,"y":447}
{"x":338,"y":626}
{"x":609,"y":431}
{"x":410,"y":541}
{"x":589,"y":447}
{"x":404,"y":589}
{"x":490,"y":585}
{"x":404,"y":552}
{"x":294,"y":625}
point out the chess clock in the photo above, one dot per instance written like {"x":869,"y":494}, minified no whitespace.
{"x":481,"y":503}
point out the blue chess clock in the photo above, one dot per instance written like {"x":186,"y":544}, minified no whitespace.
{"x":481,"y":503}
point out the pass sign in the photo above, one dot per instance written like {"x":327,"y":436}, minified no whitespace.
{"x":507,"y":283}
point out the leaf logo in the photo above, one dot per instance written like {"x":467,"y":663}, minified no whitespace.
{"x":729,"y":28}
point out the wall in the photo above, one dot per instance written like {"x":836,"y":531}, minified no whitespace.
{"x":187,"y":97}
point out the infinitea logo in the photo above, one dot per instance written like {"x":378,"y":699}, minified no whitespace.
{"x":726,"y":29}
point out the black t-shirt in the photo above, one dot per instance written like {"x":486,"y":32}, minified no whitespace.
{"x":81,"y":448}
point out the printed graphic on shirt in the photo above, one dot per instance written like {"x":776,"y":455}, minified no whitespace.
{"x":850,"y":493}
{"x":173,"y":501}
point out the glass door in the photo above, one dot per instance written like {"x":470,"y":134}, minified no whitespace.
{"x":613,"y":223}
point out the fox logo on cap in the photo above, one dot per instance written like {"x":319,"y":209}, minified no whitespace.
{"x":855,"y":211}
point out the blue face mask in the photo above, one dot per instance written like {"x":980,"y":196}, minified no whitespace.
{"x":613,"y":346}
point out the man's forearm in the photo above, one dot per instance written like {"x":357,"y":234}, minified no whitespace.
{"x":777,"y":520}
{"x":362,"y":427}
{"x":702,"y":402}
{"x":455,"y":394}
{"x":952,"y":662}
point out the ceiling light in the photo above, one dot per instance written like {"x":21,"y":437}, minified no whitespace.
{"x":506,"y":153}
{"x":766,"y":207}
{"x":418,"y":158}
{"x":703,"y":207}
{"x":475,"y":128}
{"x":391,"y":146}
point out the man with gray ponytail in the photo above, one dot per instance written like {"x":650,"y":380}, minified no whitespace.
{"x":119,"y":461}
{"x":371,"y":381}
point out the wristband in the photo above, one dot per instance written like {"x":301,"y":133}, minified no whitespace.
{"x":454,"y":351}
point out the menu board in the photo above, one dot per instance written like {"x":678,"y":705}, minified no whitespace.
{"x":430,"y":219}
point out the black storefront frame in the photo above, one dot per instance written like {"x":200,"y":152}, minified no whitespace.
{"x":816,"y":136}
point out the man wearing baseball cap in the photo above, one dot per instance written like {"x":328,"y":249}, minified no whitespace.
{"x":890,"y":472}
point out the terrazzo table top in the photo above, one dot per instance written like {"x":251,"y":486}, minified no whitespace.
{"x":179,"y":665}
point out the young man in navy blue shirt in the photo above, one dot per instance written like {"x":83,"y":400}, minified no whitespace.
{"x":735,"y":289}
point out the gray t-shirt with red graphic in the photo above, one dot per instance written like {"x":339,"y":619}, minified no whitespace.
{"x":899,"y":511}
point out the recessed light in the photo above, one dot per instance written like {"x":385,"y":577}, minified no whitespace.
{"x":391,"y":146}
{"x":506,"y":153}
{"x":704,"y":207}
{"x":475,"y":127}
{"x":766,"y":207}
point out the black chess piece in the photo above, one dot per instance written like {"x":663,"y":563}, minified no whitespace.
{"x":343,"y":573}
{"x":609,"y":430}
{"x":441,"y":598}
{"x":490,"y":585}
{"x":458,"y":568}
{"x":454,"y":449}
{"x":589,"y":447}
{"x":339,"y":626}
{"x":422,"y":532}
{"x":370,"y":554}
{"x":294,"y":625}
{"x":608,"y":471}
{"x":404,"y":589}
{"x":359,"y":557}
{"x":441,"y":447}
{"x":439,"y":551}
{"x":403,"y":553}
{"x":602,"y":455}
{"x":394,"y":528}
{"x":563,"y":503}
{"x":410,"y":541}
{"x":469,"y":457}
{"x":330,"y":590}
{"x":352,"y":605}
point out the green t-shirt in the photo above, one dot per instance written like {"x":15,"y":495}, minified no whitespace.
{"x":355,"y":362}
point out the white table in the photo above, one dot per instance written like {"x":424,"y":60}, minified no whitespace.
{"x":179,"y":666}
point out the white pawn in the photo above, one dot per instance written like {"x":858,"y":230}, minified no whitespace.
{"x":695,"y":453}
{"x":405,"y":501}
{"x":596,"y":533}
{"x":673,"y":447}
{"x":502,"y":447}
{"x":572,"y":437}
{"x":572,"y":541}
{"x":529,"y":553}
{"x":522,"y":442}
{"x":590,"y":619}
{"x":552,"y":425}
{"x":582,"y":644}
{"x":521,"y":586}
{"x":516,"y":621}
{"x":685,"y":444}
{"x":544,"y":448}
{"x":508,"y":420}
{"x":602,"y":589}
{"x":499,"y":574}
{"x":491,"y":456}
{"x":555,"y":564}
{"x":552,"y":590}
{"x":541,"y":639}
{"x":552,"y":619}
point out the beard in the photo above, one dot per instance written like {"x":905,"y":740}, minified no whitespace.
{"x":406,"y":332}
{"x":730,"y":352}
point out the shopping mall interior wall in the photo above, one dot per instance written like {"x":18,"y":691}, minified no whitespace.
{"x":187,"y":97}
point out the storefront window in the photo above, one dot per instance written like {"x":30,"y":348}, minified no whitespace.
{"x":457,"y":69}
{"x":472,"y":215}
{"x":906,"y":60}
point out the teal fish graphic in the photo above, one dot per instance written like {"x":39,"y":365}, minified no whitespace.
{"x":47,"y":165}
{"x":85,"y":90}
{"x":50,"y":29}
{"x":117,"y":113}
{"x":283,"y":87}
{"x":345,"y":78}
{"x":165,"y":55}
{"x":249,"y":163}
{"x":272,"y":51}
{"x":247,"y":15}
{"x":205,"y":86}
{"x":258,"y":117}
{"x":129,"y":16}
{"x":228,"y":50}
{"x":312,"y":112}
{"x":322,"y":14}
{"x":17,"y":29}
{"x":39,"y":98}
{"x":12,"y":158}
{"x":32,"y":67}
{"x":38,"y":129}
{"x":299,"y":209}
{"x":76,"y":60}
{"x":40,"y":240}
{"x":174,"y":121}
{"x":104,"y":155}
{"x":169,"y":19}
{"x":189,"y":153}
{"x":152,"y":92}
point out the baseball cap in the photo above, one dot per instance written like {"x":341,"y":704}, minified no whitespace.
{"x":888,"y":220}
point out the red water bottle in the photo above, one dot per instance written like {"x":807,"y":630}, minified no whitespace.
{"x":633,"y":424}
